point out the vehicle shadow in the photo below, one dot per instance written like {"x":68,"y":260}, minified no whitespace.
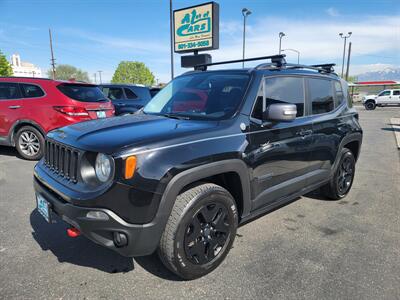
{"x":9,"y":151}
{"x":83,"y":252}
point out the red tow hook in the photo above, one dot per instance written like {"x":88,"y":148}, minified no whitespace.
{"x":73,"y":232}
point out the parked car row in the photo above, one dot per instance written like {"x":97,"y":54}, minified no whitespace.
{"x":31,"y":107}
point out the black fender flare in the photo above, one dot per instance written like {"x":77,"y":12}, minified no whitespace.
{"x":352,"y":137}
{"x":179,"y":181}
{"x":23,"y":121}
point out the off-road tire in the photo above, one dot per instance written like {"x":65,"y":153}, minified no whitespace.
{"x":332,"y":189}
{"x":370,"y":105}
{"x":37,"y":139}
{"x":189,"y":204}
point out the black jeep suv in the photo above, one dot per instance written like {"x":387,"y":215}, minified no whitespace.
{"x":211,"y":151}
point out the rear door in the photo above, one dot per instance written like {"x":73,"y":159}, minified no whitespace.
{"x":10,"y":105}
{"x":117,"y":96}
{"x":137,"y":97}
{"x":396,"y":97}
{"x":279,"y":151}
{"x":325,"y":100}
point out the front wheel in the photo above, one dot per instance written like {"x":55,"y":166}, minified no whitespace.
{"x":370,"y":105}
{"x":200,"y":231}
{"x":29,"y":143}
{"x":341,"y":182}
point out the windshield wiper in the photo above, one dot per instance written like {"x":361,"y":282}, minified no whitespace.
{"x":175,"y":116}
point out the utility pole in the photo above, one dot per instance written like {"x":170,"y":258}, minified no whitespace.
{"x":53,"y":64}
{"x":245,"y":12}
{"x":344,"y":48}
{"x":100,"y":76}
{"x":95,"y":77}
{"x":348,"y":62}
{"x":171,"y":25}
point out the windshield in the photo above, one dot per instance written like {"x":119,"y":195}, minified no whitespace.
{"x":200,"y":95}
{"x":82,"y":92}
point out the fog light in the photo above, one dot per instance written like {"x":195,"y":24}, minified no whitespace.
{"x":120,"y":239}
{"x":97,"y":215}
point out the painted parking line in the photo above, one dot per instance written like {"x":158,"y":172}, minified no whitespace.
{"x":395,"y":122}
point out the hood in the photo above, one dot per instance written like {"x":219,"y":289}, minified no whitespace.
{"x":112,"y":135}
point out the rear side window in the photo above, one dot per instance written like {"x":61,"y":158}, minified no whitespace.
{"x":31,"y":90}
{"x":9,"y":90}
{"x":129,"y":94}
{"x":82,"y":92}
{"x":321,"y":95}
{"x":339,"y":93}
{"x":396,"y":93}
{"x":113,"y":93}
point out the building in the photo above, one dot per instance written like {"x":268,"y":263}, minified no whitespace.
{"x":24,"y":69}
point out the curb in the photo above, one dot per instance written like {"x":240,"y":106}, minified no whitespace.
{"x":395,"y":122}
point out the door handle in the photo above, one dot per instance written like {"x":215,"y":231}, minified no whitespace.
{"x":14,"y":106}
{"x":304,"y":133}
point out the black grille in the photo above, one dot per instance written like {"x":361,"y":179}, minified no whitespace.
{"x":62,"y":160}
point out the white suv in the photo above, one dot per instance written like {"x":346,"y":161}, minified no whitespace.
{"x":386,"y":97}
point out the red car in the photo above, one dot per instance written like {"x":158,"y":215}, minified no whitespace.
{"x":30,"y":107}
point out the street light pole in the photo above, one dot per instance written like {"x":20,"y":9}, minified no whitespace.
{"x":171,"y":15}
{"x":345,"y":37}
{"x":294,"y":50}
{"x":281,"y":35}
{"x":100,"y":76}
{"x":245,"y":12}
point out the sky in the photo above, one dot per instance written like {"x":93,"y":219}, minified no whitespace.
{"x":97,"y":34}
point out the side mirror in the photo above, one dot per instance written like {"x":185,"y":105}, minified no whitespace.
{"x":280,"y":112}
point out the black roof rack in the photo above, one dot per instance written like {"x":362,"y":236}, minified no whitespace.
{"x":278,"y":60}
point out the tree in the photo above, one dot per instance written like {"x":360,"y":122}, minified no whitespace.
{"x":5,"y":67}
{"x":133,"y":72}
{"x":66,"y":72}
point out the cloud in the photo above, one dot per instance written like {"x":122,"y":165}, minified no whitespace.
{"x":317,"y":40}
{"x":333,"y":12}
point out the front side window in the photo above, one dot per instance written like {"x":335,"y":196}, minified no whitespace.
{"x":281,"y":89}
{"x":201,"y":96}
{"x":82,"y":92}
{"x":9,"y":90}
{"x":31,"y":91}
{"x":321,"y":95}
{"x":384,"y":93}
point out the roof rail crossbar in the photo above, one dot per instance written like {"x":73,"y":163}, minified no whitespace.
{"x":277,"y":59}
{"x":326,"y":68}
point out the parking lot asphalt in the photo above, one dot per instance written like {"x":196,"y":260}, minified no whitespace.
{"x":309,"y":249}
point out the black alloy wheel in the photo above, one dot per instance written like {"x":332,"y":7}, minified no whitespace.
{"x":207,"y":233}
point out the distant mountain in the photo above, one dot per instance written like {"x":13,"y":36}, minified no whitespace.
{"x":386,"y":74}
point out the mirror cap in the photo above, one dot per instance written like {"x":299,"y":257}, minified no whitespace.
{"x":280,"y":112}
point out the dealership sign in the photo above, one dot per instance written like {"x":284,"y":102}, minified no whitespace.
{"x":196,"y":27}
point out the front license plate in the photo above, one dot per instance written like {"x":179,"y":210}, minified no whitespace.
{"x":43,"y":207}
{"x":101,"y":114}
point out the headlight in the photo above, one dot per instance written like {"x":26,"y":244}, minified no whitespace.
{"x":103,"y":167}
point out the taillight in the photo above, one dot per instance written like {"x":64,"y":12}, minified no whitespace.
{"x":73,"y":111}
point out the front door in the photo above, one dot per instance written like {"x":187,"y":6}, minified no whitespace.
{"x":10,"y":105}
{"x":384,"y":97}
{"x":279,"y":151}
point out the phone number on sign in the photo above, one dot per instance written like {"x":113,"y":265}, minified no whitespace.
{"x":192,"y":45}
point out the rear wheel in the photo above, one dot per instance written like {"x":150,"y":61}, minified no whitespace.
{"x":29,"y":143}
{"x":370,"y":105}
{"x":200,"y":231}
{"x":341,"y":182}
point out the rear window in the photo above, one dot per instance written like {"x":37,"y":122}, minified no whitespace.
{"x":82,"y":92}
